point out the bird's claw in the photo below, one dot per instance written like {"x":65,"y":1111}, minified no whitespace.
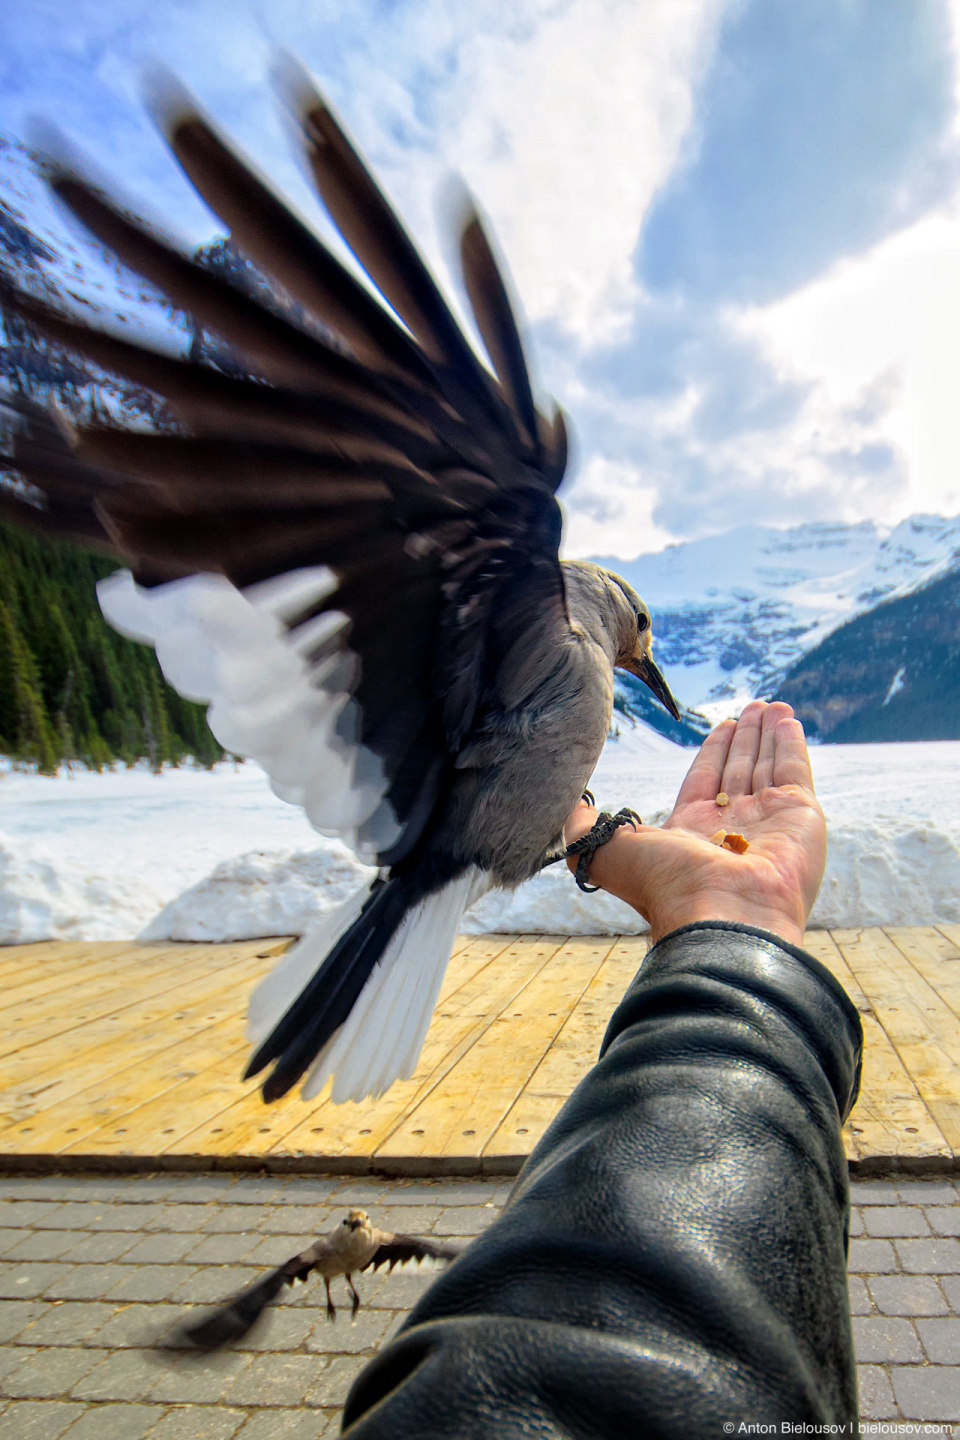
{"x":603,"y":829}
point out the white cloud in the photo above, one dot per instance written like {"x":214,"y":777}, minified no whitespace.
{"x":565,"y":116}
{"x":567,"y":131}
{"x":611,"y":509}
{"x":880,"y":337}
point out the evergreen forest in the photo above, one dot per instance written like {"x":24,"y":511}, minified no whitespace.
{"x":71,"y":689}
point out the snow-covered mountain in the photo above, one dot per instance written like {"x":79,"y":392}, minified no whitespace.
{"x":46,"y":253}
{"x":733,"y":612}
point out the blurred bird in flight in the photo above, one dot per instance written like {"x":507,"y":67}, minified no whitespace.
{"x":347,"y":545}
{"x":354,"y":1245}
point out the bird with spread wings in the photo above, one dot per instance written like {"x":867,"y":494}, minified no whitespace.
{"x":347,"y":545}
{"x":353,"y":1245}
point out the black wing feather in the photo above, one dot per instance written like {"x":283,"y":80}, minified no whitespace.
{"x":282,"y":246}
{"x":401,"y":1248}
{"x":237,"y":1316}
{"x":390,"y":454}
{"x":495,"y":321}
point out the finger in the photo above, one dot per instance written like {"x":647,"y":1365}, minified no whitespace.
{"x":791,"y":760}
{"x":737,"y":776}
{"x":763,"y":770}
{"x":703,"y":778}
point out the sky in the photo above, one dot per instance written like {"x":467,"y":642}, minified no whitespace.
{"x":733,"y":225}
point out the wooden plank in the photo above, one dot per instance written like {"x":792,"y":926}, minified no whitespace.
{"x":154,"y":1068}
{"x":823,"y":947}
{"x":76,"y":1065}
{"x":109,"y":1099}
{"x":922,"y":1030}
{"x":205,"y":983}
{"x":355,"y":1128}
{"x":144,"y":982}
{"x":458,"y":1118}
{"x":951,"y":933}
{"x":118,"y":1029}
{"x":52,"y":957}
{"x":149,"y":1128}
{"x":13,"y":954}
{"x":46,"y":1000}
{"x":933,"y":957}
{"x":572,"y":1054}
{"x":890,"y":1116}
{"x":69,"y":1068}
{"x":94,"y":975}
{"x":143,"y":1120}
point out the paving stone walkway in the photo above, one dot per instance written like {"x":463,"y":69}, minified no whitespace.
{"x":93,"y":1271}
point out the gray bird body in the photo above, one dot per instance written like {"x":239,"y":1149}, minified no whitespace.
{"x":524,"y":768}
{"x":349,"y":548}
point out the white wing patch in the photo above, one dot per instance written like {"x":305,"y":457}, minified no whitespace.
{"x":230,"y":649}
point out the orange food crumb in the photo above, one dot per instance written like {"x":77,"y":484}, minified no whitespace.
{"x":737,"y":843}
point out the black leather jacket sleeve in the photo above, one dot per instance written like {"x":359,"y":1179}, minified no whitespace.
{"x":673,"y":1256}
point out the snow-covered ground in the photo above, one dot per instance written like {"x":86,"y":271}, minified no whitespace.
{"x":201,"y":855}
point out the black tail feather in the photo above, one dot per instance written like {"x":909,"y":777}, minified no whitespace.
{"x":324,"y":1004}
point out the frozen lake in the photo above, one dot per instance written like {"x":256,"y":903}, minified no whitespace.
{"x":88,"y":856}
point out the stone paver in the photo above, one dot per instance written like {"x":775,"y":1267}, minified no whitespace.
{"x":907,"y":1295}
{"x":927,"y":1392}
{"x":879,"y":1337}
{"x":886,"y":1220}
{"x":38,"y":1419}
{"x":95,"y":1272}
{"x":200,"y":1422}
{"x":941,"y":1339}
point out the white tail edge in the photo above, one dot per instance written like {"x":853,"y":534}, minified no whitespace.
{"x":381,"y":1039}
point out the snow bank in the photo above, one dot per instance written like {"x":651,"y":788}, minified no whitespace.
{"x":43,"y":897}
{"x":890,"y":875}
{"x":893,"y":812}
{"x":907,"y":875}
{"x":262,"y":893}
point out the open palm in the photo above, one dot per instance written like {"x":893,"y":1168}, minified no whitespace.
{"x":675,"y":875}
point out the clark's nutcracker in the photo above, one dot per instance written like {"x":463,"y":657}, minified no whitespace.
{"x":355,"y":1244}
{"x":347,"y":544}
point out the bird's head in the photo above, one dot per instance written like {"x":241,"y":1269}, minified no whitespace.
{"x":356,"y":1220}
{"x":601,"y":602}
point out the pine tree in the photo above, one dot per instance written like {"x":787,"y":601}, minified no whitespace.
{"x":33,"y":737}
{"x":70,"y":687}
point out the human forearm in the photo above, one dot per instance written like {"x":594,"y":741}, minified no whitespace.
{"x":673,"y":1256}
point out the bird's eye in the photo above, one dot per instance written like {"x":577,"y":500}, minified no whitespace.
{"x":643,"y":621}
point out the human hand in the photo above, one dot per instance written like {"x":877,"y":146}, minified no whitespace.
{"x":675,"y":876}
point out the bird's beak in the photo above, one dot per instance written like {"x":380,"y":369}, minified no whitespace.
{"x":644,"y":669}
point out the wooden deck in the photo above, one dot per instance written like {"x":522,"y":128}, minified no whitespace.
{"x":129,"y":1056}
